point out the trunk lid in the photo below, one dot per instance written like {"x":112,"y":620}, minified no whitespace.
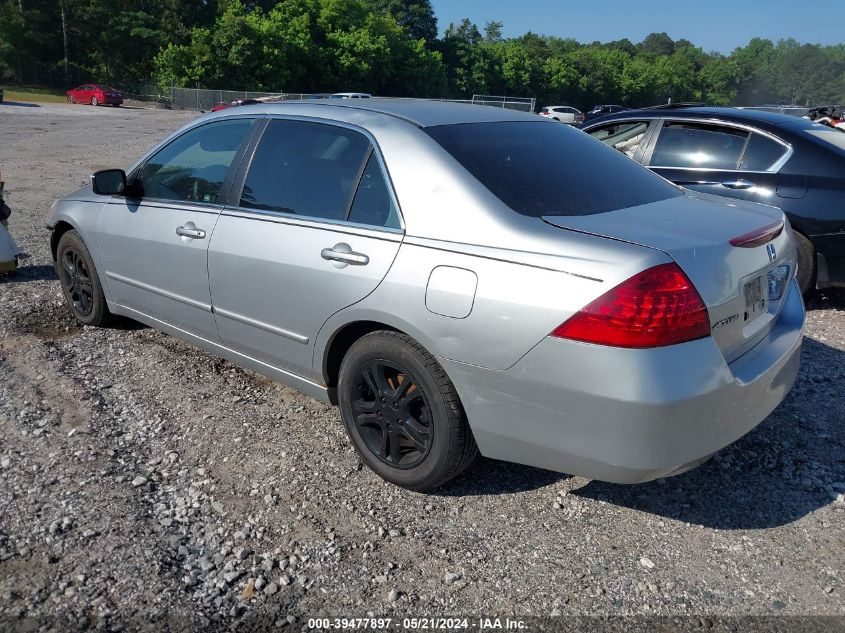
{"x":695,"y":230}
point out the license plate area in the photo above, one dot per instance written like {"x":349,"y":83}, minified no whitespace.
{"x":755,"y":299}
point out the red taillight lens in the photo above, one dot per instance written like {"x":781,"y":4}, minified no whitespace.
{"x":654,"y":308}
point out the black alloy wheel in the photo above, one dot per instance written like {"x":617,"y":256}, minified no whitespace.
{"x":80,"y":282}
{"x":76,"y":278}
{"x":402,"y":412}
{"x":392,"y":414}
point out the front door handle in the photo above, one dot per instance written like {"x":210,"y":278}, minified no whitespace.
{"x":739,"y":183}
{"x":190,"y":230}
{"x":341,"y":255}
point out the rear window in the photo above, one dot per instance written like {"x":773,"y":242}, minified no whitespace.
{"x":539,"y":169}
{"x":761,"y":153}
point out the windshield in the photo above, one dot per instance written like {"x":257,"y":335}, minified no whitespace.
{"x":539,"y":169}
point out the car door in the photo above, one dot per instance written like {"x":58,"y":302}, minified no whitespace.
{"x":717,"y":158}
{"x":315,"y":229}
{"x":153,"y":243}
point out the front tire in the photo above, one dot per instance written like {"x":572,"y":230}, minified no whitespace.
{"x":402,"y":412}
{"x":806,"y":264}
{"x":94,"y":101}
{"x":80,"y":282}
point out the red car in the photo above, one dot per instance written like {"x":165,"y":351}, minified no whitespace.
{"x":95,"y":95}
{"x":234,"y":104}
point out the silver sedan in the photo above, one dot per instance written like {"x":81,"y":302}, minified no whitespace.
{"x":435,"y":271}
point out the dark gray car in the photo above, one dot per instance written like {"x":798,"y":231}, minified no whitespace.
{"x":785,"y":161}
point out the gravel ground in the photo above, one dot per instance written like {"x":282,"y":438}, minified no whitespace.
{"x":144,"y":481}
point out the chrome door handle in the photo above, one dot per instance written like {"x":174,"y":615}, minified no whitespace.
{"x":739,"y":183}
{"x":189,"y":230}
{"x":343,"y":254}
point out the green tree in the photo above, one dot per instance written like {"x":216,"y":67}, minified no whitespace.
{"x":415,"y":16}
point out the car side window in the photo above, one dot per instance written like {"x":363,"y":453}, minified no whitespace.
{"x":761,"y":153}
{"x":192,"y":167}
{"x":682,"y":144}
{"x":625,"y":136}
{"x":309,"y":169}
{"x":373,"y":203}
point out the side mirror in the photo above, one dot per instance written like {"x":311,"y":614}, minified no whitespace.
{"x":109,"y":182}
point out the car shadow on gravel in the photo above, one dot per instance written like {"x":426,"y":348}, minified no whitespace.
{"x":827,"y":299}
{"x":782,"y":471}
{"x":31,"y":273}
{"x":494,"y":477}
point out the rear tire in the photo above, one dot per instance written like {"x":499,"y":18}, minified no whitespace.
{"x":402,"y":412}
{"x":80,"y":282}
{"x":94,"y":101}
{"x":806,"y":264}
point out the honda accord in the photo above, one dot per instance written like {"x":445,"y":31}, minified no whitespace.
{"x":410,"y":263}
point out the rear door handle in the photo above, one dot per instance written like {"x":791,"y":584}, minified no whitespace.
{"x":343,"y":255}
{"x":738,"y":183}
{"x":190,"y":230}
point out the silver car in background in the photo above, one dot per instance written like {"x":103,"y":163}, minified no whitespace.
{"x":409,"y":262}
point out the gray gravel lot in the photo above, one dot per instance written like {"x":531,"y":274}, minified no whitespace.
{"x":142,"y":480}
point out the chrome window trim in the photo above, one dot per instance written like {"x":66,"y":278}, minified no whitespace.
{"x":170,"y":205}
{"x":315,"y":220}
{"x":336,"y":226}
{"x":773,"y":169}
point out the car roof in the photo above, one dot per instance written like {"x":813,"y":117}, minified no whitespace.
{"x":419,"y":112}
{"x":737,"y":115}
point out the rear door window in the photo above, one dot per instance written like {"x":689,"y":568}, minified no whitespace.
{"x":538,"y":169}
{"x":698,"y":145}
{"x":625,"y":136}
{"x":309,"y":169}
{"x":373,"y":203}
{"x":761,"y":153}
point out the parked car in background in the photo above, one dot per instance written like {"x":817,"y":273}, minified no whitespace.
{"x":564,"y":114}
{"x":602,"y":110}
{"x":234,"y":104}
{"x":95,"y":94}
{"x":587,"y":317}
{"x":785,"y":161}
{"x":351,"y":95}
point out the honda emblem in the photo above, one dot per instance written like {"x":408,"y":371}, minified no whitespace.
{"x":770,"y":249}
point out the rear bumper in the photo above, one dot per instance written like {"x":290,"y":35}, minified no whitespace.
{"x":628,"y":416}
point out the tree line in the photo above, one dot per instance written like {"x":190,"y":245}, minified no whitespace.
{"x":388,"y":48}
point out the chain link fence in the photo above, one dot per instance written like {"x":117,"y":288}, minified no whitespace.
{"x":792,"y":110}
{"x":203,"y":99}
{"x":524,"y":104}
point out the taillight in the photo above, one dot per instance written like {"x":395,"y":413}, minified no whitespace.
{"x":654,"y":308}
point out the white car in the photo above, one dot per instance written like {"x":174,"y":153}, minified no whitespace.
{"x":564,"y":114}
{"x":351,"y":95}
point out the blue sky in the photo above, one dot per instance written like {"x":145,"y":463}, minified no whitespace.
{"x":719,"y":25}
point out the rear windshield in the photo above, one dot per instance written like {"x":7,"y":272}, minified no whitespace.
{"x":540,"y":169}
